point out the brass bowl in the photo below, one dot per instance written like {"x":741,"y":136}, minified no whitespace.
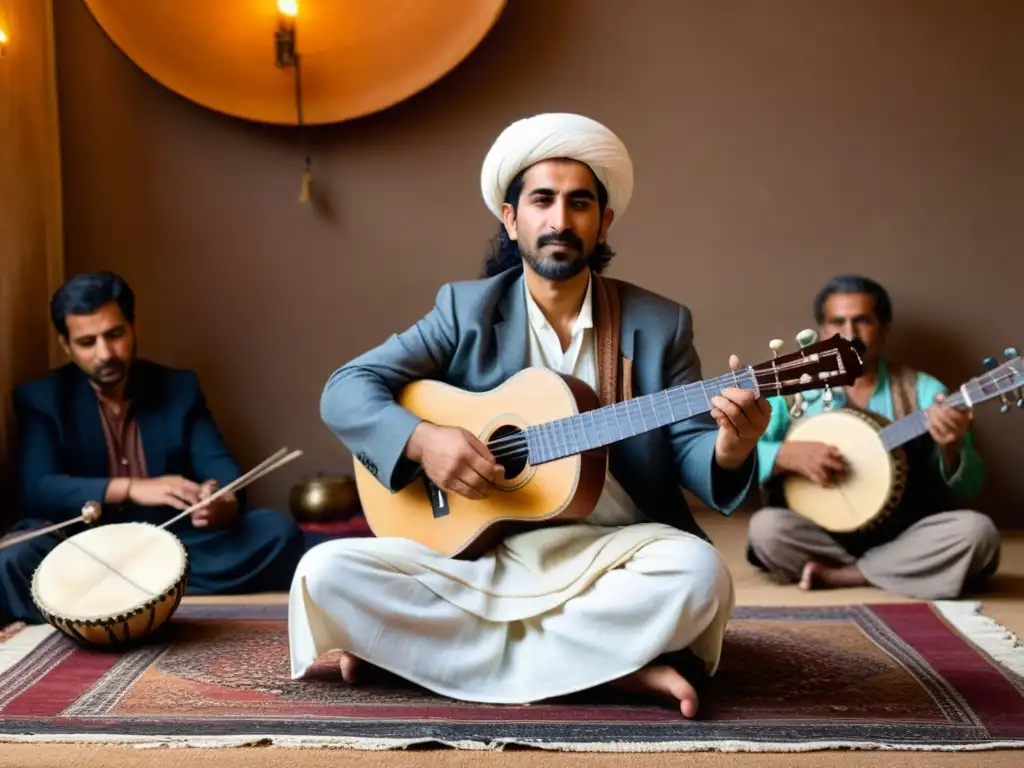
{"x":324,"y":498}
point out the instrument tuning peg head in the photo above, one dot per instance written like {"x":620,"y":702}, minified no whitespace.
{"x":806,"y":337}
{"x":1010,"y":352}
{"x":990,"y":363}
{"x":826,"y":397}
{"x":776,"y":345}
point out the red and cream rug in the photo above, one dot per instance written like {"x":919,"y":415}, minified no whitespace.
{"x":920,"y":676}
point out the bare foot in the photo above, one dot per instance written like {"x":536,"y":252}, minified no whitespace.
{"x":816,"y":574}
{"x":809,"y":577}
{"x":662,"y":681}
{"x":349,"y":667}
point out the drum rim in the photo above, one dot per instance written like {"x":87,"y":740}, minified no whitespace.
{"x":99,"y":619}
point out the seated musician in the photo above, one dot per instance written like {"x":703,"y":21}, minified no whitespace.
{"x":138,"y":439}
{"x":932,"y":547}
{"x":635,"y":595}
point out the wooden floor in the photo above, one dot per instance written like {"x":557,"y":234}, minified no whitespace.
{"x":1004,"y":603}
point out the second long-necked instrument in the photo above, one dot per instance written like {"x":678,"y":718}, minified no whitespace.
{"x":548,"y":433}
{"x":873,"y":448}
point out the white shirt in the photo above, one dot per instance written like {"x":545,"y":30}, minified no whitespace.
{"x":614,"y":507}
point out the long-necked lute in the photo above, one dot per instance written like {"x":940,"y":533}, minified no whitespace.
{"x":551,"y":437}
{"x":872,"y":446}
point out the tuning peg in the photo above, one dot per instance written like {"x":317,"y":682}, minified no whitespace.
{"x":1011,"y":352}
{"x":991,"y":364}
{"x":806,"y":337}
{"x":776,"y":345}
{"x":826,"y":397}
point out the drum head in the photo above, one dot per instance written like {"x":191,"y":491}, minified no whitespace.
{"x":862,"y":495}
{"x":108,"y":571}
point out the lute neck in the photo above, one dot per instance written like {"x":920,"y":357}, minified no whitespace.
{"x":915,"y":424}
{"x":611,"y":423}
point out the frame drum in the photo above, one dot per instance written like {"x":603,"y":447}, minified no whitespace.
{"x":113,"y":585}
{"x":874,"y":473}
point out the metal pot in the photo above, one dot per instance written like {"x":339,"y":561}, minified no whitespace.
{"x":324,"y":499}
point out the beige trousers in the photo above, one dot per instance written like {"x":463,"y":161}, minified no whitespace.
{"x":936,"y":558}
{"x":547,"y":613}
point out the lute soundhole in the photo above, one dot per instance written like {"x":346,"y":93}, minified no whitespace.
{"x":505,"y":438}
{"x":508,"y":444}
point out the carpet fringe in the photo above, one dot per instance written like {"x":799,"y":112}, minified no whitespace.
{"x":1002,"y":645}
{"x":377,"y":744}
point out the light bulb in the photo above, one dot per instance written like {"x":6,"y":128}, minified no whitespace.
{"x":288,"y":7}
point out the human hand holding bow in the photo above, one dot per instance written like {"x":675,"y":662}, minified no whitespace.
{"x":220,"y":512}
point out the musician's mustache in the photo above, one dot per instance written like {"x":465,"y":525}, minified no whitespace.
{"x":568,"y":237}
{"x":114,"y":366}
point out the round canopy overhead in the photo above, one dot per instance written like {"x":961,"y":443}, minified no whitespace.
{"x":357,"y":56}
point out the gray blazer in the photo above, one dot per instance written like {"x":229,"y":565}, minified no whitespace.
{"x":475,"y":338}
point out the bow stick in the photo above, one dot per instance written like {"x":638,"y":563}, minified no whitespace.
{"x":275,"y":461}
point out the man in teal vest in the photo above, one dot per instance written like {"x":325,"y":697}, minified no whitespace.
{"x":931,"y":547}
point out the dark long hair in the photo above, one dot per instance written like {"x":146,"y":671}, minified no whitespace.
{"x":503,"y":253}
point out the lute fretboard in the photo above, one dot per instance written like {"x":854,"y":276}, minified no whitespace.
{"x":620,"y":421}
{"x":915,"y":424}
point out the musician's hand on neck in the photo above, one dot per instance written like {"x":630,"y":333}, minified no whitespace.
{"x":948,"y":427}
{"x":742,"y":418}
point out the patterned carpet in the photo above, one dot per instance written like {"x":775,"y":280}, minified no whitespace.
{"x":896,"y":676}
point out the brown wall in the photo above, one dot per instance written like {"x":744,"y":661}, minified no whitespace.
{"x":775,"y":144}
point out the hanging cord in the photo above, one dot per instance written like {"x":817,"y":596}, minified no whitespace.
{"x":305,"y":195}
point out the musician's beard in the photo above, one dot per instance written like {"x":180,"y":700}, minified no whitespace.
{"x":110,"y":375}
{"x":566,"y":259}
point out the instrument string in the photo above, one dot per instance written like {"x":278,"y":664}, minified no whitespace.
{"x":515,"y":446}
{"x":109,"y":567}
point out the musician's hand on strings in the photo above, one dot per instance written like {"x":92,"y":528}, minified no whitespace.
{"x":454,"y":459}
{"x":742,"y":418}
{"x":220,"y":512}
{"x":946,"y":425}
{"x":820,"y":463}
{"x":170,"y":490}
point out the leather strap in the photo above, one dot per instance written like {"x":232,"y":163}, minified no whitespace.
{"x":615,"y":384}
{"x":903,"y":383}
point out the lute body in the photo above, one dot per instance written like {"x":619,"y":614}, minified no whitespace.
{"x":565,"y":490}
{"x":548,"y":432}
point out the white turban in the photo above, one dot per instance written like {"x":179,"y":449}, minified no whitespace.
{"x":557,"y":135}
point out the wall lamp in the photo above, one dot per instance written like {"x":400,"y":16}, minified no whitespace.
{"x":286,"y":56}
{"x":3,"y":41}
{"x":284,"y":36}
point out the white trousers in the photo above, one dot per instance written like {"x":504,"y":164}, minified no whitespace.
{"x":548,"y":613}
